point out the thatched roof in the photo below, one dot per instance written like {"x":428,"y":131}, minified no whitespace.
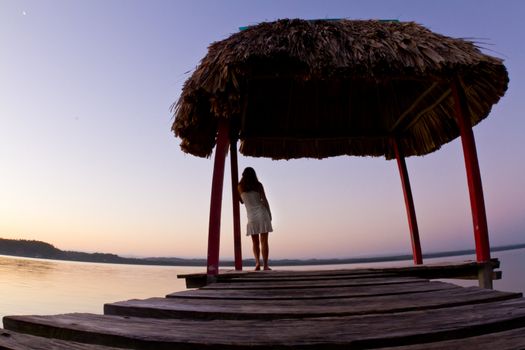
{"x":296,"y":88}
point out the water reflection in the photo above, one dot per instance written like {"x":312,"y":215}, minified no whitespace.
{"x":24,"y":266}
{"x":33,"y":286}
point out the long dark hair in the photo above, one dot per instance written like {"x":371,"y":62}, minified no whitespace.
{"x":249,"y":181}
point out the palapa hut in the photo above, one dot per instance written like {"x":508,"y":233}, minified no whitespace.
{"x":322,"y":88}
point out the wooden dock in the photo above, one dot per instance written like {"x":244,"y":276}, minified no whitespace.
{"x":392,"y":308}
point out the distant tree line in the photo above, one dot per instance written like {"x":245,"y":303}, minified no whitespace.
{"x":43,"y":250}
{"x":33,"y":249}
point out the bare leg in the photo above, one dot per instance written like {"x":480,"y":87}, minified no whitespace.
{"x":256,"y":251}
{"x":265,"y":250}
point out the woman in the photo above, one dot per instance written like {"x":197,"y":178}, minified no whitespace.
{"x":259,"y":215}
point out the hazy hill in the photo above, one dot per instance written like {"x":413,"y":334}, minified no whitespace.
{"x":33,"y":249}
{"x":43,"y":250}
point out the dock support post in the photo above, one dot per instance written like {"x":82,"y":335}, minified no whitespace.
{"x":409,"y":203}
{"x":485,"y":276}
{"x":236,"y":206}
{"x":477,"y":202}
{"x":214,"y":233}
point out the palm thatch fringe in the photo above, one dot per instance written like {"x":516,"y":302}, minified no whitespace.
{"x":296,"y":88}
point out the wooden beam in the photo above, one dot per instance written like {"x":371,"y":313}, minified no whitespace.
{"x":431,"y":107}
{"x":221,"y":150}
{"x":236,"y":206}
{"x":409,"y":203}
{"x":477,"y":202}
{"x":412,"y":106}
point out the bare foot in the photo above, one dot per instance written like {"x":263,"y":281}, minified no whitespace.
{"x":257,"y":268}
{"x":267,"y":268}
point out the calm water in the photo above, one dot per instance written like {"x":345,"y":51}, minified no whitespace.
{"x":33,"y":286}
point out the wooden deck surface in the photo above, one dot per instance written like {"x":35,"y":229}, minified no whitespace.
{"x":350,"y":309}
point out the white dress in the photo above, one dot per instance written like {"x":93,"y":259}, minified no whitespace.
{"x":258,"y":215}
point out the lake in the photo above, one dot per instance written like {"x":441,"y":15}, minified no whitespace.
{"x":36,"y":286}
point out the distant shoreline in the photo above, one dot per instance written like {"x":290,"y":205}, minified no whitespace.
{"x":43,"y":250}
{"x":385,"y":258}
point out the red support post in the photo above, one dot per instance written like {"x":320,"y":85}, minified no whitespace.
{"x":236,"y":206}
{"x":409,"y":203}
{"x":221,"y":150}
{"x":477,"y":203}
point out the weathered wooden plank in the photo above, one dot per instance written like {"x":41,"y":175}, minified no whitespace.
{"x":458,"y":269}
{"x":16,"y":341}
{"x":356,"y":332}
{"x":507,"y":340}
{"x":309,"y":273}
{"x":314,"y":293}
{"x":291,"y":278}
{"x":314,"y":284}
{"x":222,"y":273}
{"x":274,"y":309}
{"x":441,"y":266}
{"x":228,"y":274}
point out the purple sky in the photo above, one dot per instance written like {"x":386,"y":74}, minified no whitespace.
{"x":88,"y":161}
